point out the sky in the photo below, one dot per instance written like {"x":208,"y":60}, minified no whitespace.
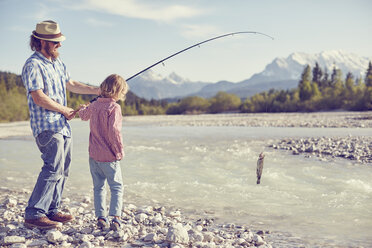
{"x":126,"y":36}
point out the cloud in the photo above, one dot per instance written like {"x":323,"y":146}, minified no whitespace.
{"x":38,"y":12}
{"x":98,"y":23}
{"x":41,"y":13}
{"x":19,"y":29}
{"x":199,"y":31}
{"x":136,"y":9}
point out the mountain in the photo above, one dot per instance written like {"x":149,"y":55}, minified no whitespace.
{"x":292,"y":66}
{"x":284,"y":73}
{"x":150,"y":85}
{"x":281,"y":73}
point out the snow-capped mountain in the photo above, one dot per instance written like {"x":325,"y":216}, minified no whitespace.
{"x":281,"y":73}
{"x":150,"y":85}
{"x":292,"y":66}
{"x":284,"y":73}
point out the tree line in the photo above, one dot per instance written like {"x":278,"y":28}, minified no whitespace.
{"x":316,"y":91}
{"x":13,"y":101}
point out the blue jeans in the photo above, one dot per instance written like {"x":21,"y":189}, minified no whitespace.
{"x":110,"y":171}
{"x":56,"y":153}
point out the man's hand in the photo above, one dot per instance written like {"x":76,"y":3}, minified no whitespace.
{"x":69,"y":113}
{"x":44,"y":101}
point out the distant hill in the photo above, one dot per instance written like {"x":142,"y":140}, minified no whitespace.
{"x":281,"y":73}
{"x":153,"y":86}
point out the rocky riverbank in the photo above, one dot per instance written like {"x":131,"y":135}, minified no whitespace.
{"x":148,"y":226}
{"x":358,"y":149}
{"x":307,"y":120}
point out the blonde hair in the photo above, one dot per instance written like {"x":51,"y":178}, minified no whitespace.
{"x":114,"y":86}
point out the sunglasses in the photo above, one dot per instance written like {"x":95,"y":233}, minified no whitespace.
{"x":54,"y":42}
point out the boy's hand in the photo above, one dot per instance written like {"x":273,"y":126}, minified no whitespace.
{"x":82,"y":106}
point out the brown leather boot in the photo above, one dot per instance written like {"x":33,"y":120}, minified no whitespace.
{"x":60,"y":217}
{"x":43,"y":223}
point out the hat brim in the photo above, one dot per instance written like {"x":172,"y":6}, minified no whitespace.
{"x":61,"y":38}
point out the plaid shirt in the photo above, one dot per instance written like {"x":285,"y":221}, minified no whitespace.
{"x":51,"y":77}
{"x":105,"y":141}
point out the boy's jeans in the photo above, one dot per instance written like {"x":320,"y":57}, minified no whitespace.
{"x":47,"y":194}
{"x":112,"y":172}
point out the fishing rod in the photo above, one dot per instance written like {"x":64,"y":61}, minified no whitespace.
{"x":192,"y":46}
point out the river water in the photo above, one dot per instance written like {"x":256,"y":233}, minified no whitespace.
{"x":212,"y":171}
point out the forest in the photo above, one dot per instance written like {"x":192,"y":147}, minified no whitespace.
{"x":316,"y":91}
{"x":13,"y":101}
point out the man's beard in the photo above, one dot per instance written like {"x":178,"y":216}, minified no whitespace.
{"x":50,"y":51}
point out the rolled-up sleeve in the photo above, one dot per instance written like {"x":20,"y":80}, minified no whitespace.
{"x":85,"y":113}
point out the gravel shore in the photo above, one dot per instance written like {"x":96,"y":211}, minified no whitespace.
{"x":145,"y":226}
{"x":310,"y":120}
{"x":358,"y":149}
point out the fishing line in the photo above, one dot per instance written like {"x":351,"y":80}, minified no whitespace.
{"x":192,"y":46}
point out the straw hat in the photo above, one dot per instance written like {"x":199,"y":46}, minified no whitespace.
{"x":49,"y":31}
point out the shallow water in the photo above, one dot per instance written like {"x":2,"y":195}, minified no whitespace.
{"x":211,"y":171}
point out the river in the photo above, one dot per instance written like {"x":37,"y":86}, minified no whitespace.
{"x":211,"y":171}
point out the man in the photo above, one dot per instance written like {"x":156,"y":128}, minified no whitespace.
{"x":46,"y":80}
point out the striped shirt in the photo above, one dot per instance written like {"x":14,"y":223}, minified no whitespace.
{"x":105,"y":141}
{"x":51,"y":77}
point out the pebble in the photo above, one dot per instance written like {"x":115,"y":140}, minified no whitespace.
{"x":177,"y":234}
{"x":54,"y":236}
{"x":9,"y":240}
